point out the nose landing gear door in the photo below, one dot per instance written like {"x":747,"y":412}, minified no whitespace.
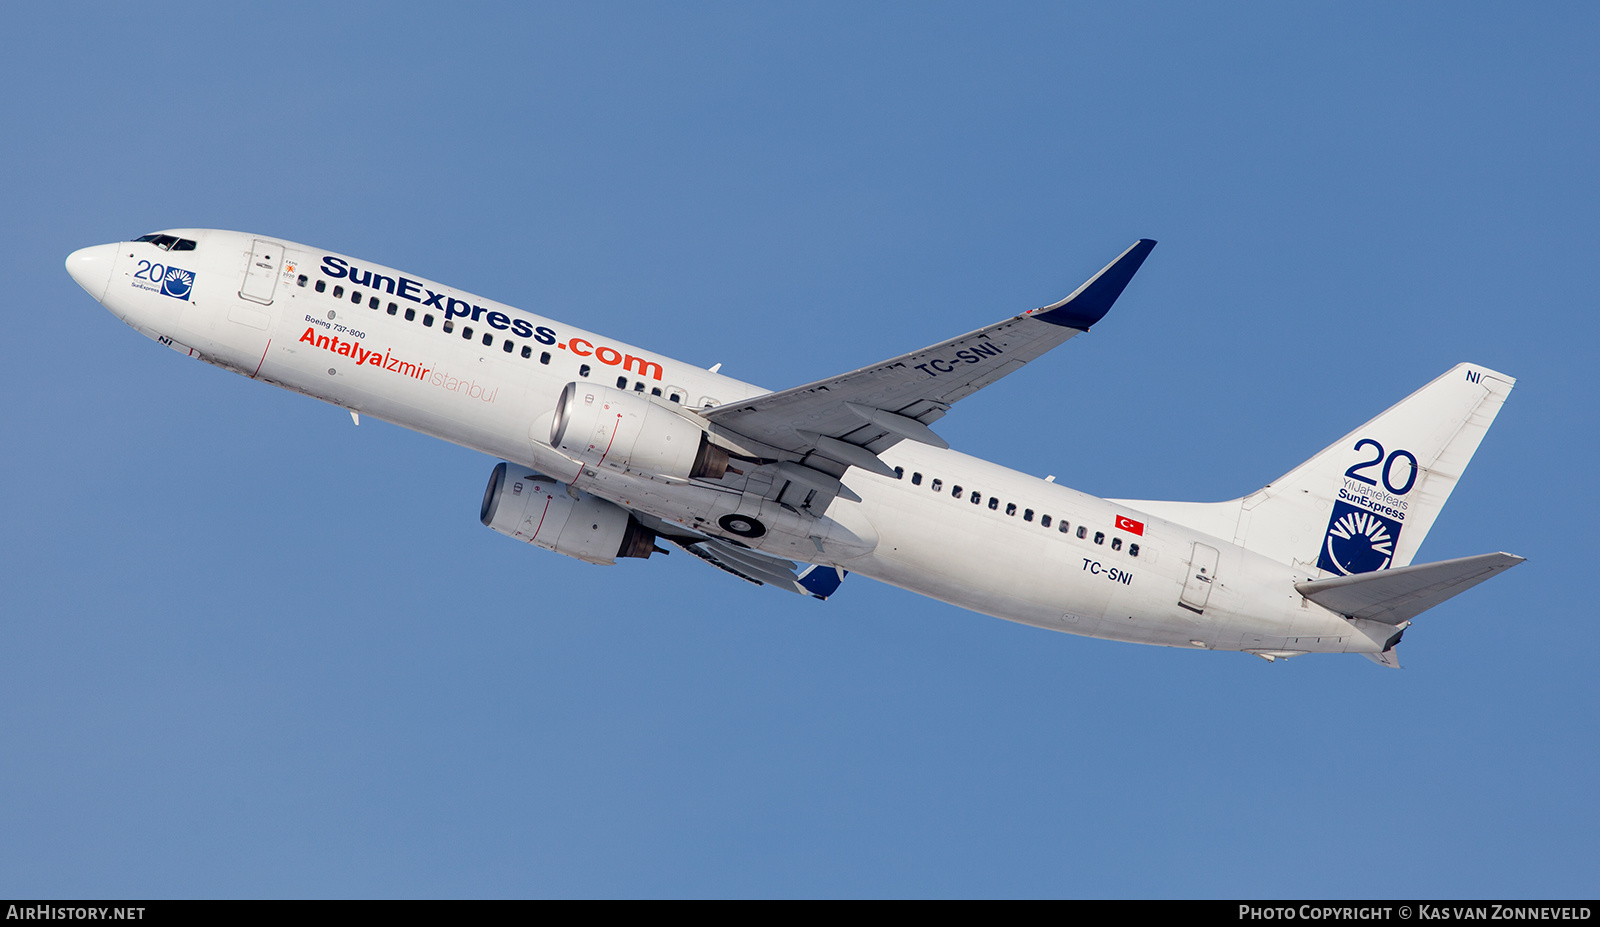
{"x":261,"y":273}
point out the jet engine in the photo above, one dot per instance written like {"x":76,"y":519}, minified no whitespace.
{"x":531,"y":507}
{"x":605,"y":427}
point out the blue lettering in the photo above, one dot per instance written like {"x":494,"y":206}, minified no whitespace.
{"x":333,"y":267}
{"x":521,"y":327}
{"x":498,"y":320}
{"x":363,"y":280}
{"x":476,"y":311}
{"x":433,"y":300}
{"x":544,"y":335}
{"x":924,"y":369}
{"x":967,"y":356}
{"x":411,"y":290}
{"x":935,"y":365}
{"x":379,"y":281}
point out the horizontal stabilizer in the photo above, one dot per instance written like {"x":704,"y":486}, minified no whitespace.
{"x":1398,"y":595}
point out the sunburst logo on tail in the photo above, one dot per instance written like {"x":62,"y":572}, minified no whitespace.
{"x":1357,"y":541}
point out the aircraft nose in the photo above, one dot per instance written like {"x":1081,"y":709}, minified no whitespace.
{"x":91,"y":267}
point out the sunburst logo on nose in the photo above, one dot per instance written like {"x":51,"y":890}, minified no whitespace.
{"x":178,"y":283}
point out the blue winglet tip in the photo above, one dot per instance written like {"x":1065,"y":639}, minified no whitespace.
{"x":822,"y":581}
{"x":1089,"y":303}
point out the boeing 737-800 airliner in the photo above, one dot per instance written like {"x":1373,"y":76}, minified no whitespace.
{"x":608,"y":449}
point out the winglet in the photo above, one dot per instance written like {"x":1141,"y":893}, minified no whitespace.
{"x":821,"y":581}
{"x":1089,"y":303}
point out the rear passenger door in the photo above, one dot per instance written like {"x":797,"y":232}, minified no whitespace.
{"x":1197,"y":584}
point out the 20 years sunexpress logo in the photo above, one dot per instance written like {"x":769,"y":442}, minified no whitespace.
{"x":164,"y":279}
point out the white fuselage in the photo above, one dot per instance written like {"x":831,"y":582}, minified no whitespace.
{"x":425,"y":365}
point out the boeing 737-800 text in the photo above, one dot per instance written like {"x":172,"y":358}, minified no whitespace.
{"x":608,"y":449}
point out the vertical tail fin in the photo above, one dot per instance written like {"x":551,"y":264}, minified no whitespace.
{"x":1366,"y":502}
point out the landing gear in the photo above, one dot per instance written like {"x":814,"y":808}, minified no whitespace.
{"x":742,"y":525}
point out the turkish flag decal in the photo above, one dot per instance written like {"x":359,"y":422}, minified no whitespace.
{"x":1130,"y":526}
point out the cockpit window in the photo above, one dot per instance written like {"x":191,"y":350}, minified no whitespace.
{"x":168,"y":242}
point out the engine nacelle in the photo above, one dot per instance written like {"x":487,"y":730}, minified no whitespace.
{"x":605,"y":427}
{"x":532,"y":507}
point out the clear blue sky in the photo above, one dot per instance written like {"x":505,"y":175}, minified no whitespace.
{"x":247,"y":649}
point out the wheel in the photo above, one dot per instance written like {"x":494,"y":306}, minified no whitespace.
{"x":742,"y":525}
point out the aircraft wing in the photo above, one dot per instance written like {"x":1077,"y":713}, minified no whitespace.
{"x":847,"y":420}
{"x":752,"y":566}
{"x":819,"y":582}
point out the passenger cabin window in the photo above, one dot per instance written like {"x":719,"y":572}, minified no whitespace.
{"x":899,"y":473}
{"x":509,"y":346}
{"x":1082,"y":531}
{"x":1133,"y":550}
{"x":301,"y":280}
{"x":622,"y":382}
{"x":393,"y":307}
{"x":1099,"y":537}
{"x":322,"y":286}
{"x":1011,"y":508}
{"x":527,"y":351}
{"x":1044,"y":521}
{"x":1116,"y":543}
{"x":674,"y":398}
{"x":937,"y":485}
{"x":1027,"y":515}
{"x":545,"y":359}
{"x":427,"y":320}
{"x":977,"y":498}
{"x":373,"y":304}
{"x":355,"y":297}
{"x":583,"y":371}
{"x":411,"y":314}
{"x":916,"y":479}
{"x":449,"y":326}
{"x":638,"y":387}
{"x":994,"y":503}
{"x":488,"y":339}
{"x":338,"y":292}
{"x":466,"y":332}
{"x":655,"y":390}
